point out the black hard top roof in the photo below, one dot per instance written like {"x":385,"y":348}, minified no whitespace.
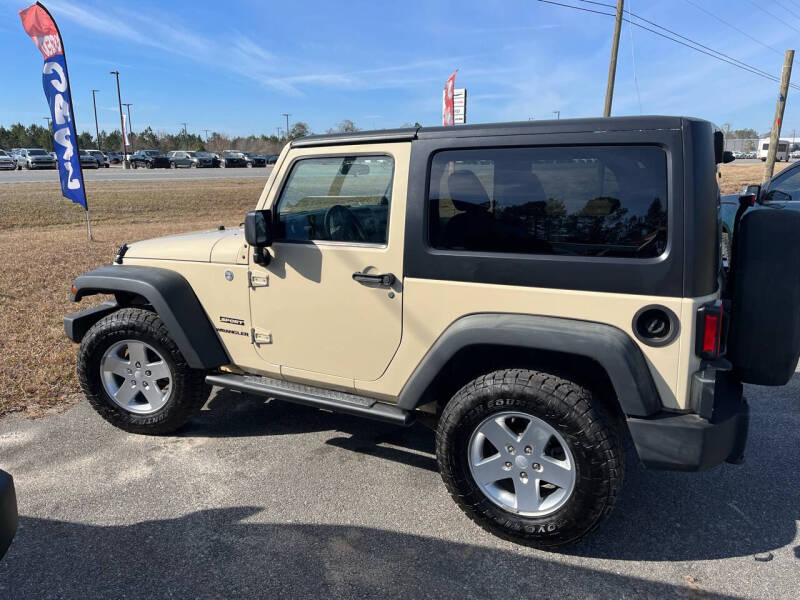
{"x":495,"y":129}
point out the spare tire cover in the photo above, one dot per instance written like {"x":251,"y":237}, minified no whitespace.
{"x":764,"y":335}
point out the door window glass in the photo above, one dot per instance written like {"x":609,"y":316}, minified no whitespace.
{"x":341,"y":199}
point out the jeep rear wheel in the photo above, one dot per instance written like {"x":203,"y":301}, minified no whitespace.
{"x":134,"y":375}
{"x":530,"y":457}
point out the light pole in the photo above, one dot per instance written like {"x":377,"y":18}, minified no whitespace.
{"x":96,"y":128}
{"x":126,"y":163}
{"x":48,"y":119}
{"x":184,"y":134}
{"x":557,"y":113}
{"x":130,"y":123}
{"x":287,"y":115}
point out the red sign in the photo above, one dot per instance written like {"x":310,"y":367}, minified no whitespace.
{"x":447,"y":100}
{"x":38,"y":24}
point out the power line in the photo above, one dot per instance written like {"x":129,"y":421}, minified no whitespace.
{"x":718,"y":55}
{"x":741,"y":31}
{"x":787,"y":9}
{"x":633,"y":62}
{"x":766,"y":12}
{"x":696,"y":43}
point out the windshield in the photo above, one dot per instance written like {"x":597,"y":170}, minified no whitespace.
{"x":153,"y":153}
{"x":37,"y":152}
{"x":234,"y":154}
{"x":203,"y":154}
{"x":190,"y":154}
{"x":95,"y":153}
{"x":3,"y":153}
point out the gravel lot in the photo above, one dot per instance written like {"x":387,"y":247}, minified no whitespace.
{"x":268,"y":499}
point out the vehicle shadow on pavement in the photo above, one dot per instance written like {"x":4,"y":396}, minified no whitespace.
{"x":221,"y":553}
{"x":230,"y":414}
{"x":725,"y":512}
{"x":730,"y":510}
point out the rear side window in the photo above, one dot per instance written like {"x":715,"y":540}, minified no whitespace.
{"x":341,"y":199}
{"x":575,"y":201}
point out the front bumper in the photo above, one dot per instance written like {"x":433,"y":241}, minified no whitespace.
{"x":690,"y":442}
{"x":8,"y":511}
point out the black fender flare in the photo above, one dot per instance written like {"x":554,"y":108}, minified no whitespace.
{"x":613,"y":349}
{"x":171,"y":297}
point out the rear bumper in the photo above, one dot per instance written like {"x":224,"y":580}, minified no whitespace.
{"x":8,"y":511}
{"x":690,"y":442}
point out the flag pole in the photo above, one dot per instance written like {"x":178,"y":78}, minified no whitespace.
{"x":89,"y":224}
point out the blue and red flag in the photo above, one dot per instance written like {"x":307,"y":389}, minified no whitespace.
{"x":40,"y":26}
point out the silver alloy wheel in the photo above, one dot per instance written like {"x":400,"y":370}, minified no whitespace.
{"x":136,"y":377}
{"x":522,"y":464}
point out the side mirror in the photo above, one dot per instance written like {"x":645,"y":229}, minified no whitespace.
{"x":257,"y":230}
{"x":777,"y":196}
{"x":728,"y":156}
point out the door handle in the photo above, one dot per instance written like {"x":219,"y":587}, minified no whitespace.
{"x":374,"y":280}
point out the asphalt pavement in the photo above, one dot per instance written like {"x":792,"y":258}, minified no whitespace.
{"x":117,"y":173}
{"x":259,"y":498}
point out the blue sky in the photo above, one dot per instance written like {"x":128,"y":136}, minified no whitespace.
{"x":234,"y":67}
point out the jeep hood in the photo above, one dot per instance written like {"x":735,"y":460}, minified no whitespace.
{"x":217,"y":245}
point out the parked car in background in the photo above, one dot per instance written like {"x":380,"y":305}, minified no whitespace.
{"x":150,"y":159}
{"x":794,"y":154}
{"x":6,"y":161}
{"x":101,"y":159}
{"x":272,"y":159}
{"x":34,"y":158}
{"x":232,"y":158}
{"x":114,"y":158}
{"x":190,"y":159}
{"x":88,"y":161}
{"x":780,"y":192}
{"x":9,"y":516}
{"x":254,"y":160}
{"x":206,"y":159}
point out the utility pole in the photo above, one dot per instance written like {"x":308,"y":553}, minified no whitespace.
{"x":184,"y":134}
{"x":557,"y":113}
{"x":126,"y":163}
{"x":287,"y":115}
{"x":96,"y":128}
{"x":612,"y":67}
{"x":206,"y":132}
{"x":48,"y":119}
{"x":775,"y":135}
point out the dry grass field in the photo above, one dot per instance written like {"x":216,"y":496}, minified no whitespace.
{"x":737,"y":175}
{"x":43,"y":246}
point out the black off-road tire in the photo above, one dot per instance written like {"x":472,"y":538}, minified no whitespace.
{"x":189,"y":390}
{"x":571,"y":410}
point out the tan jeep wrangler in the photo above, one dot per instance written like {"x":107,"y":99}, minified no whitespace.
{"x":536,"y":291}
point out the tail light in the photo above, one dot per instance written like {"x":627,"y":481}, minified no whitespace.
{"x":709,"y":336}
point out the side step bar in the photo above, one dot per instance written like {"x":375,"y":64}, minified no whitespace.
{"x":330,"y":400}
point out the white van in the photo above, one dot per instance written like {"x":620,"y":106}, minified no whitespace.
{"x":783,"y":149}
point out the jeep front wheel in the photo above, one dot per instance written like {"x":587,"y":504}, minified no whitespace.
{"x":134,"y":375}
{"x":530,"y":457}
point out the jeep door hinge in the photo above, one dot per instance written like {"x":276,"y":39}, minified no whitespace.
{"x":260,"y":337}
{"x":257,"y":281}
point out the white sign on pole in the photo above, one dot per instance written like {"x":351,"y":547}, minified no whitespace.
{"x":460,"y":106}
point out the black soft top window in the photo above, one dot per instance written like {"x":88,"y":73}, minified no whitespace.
{"x":581,"y":201}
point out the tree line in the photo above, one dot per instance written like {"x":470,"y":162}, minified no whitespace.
{"x":39,"y":136}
